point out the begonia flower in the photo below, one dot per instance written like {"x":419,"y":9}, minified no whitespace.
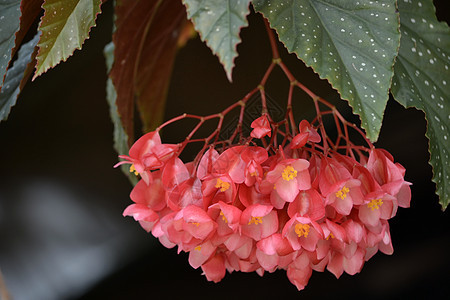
{"x":215,"y":189}
{"x":352,"y":264}
{"x":206,"y":163}
{"x":375,"y":209}
{"x":258,"y":209}
{"x":259,"y":221}
{"x":274,"y":251}
{"x":308,"y":203}
{"x":302,"y":233}
{"x":146,"y":154}
{"x":201,"y":253}
{"x":389,"y":175}
{"x":289,"y":177}
{"x":261,"y":128}
{"x":226,"y":216}
{"x":214,"y":269}
{"x":338,"y":187}
{"x":307,"y":133}
{"x":300,"y":271}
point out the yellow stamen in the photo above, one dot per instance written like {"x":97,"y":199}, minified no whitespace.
{"x":255,"y":220}
{"x":375,"y":204}
{"x":198,"y":248}
{"x":342,"y":193}
{"x":222,"y":185}
{"x":302,"y":229}
{"x":223,"y":217}
{"x":133,"y":170}
{"x":330,"y":236}
{"x":254,"y":174}
{"x":195,"y":223}
{"x":289,"y":173}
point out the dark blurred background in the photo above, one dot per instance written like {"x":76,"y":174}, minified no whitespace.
{"x":61,"y":226}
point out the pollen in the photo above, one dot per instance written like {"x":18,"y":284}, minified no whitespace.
{"x":195,"y":223}
{"x":342,"y":193}
{"x":133,"y":170}
{"x":255,"y":220}
{"x":222,"y":185}
{"x":289,"y":173}
{"x":375,"y":204}
{"x":198,"y":248}
{"x":223,"y":217}
{"x":254,"y":174}
{"x":302,"y":229}
{"x":330,"y":236}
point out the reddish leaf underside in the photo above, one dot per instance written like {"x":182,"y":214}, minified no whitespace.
{"x":30,"y":11}
{"x":146,"y":40}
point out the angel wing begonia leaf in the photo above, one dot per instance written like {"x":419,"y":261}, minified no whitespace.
{"x":65,"y":26}
{"x":219,"y":23}
{"x":422,"y":80}
{"x":30,"y":10}
{"x":9,"y":25}
{"x":16,"y":76}
{"x":120,"y":137}
{"x":351,"y":43}
{"x":146,"y":39}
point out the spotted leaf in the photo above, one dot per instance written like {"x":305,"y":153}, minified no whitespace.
{"x":422,"y":80}
{"x":351,"y":43}
{"x":16,"y":77}
{"x":219,"y":23}
{"x":9,"y":25}
{"x":65,"y":26}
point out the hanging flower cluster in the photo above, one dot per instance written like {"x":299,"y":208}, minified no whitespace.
{"x":281,"y":197}
{"x":252,"y":208}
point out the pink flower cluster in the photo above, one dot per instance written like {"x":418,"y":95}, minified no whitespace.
{"x":246,"y":210}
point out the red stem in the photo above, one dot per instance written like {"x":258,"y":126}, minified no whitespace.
{"x":273,"y":43}
{"x":286,"y":128}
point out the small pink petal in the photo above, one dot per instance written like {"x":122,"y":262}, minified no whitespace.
{"x":404,"y":195}
{"x":261,"y":128}
{"x":268,"y":262}
{"x":355,"y":263}
{"x":369,"y":216}
{"x":201,"y":254}
{"x":144,"y":144}
{"x":214,"y":269}
{"x":299,"y":140}
{"x":335,"y":265}
{"x":287,"y":190}
{"x":205,"y":166}
{"x":174,"y":173}
{"x":299,"y":277}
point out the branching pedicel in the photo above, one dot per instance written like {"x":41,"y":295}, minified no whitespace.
{"x":285,"y":197}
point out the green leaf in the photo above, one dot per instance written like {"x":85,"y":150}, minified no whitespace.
{"x":65,"y":26}
{"x":422,"y":80}
{"x":120,"y":136}
{"x":219,"y":23}
{"x":351,"y":43}
{"x":15,"y":77}
{"x":9,"y":25}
